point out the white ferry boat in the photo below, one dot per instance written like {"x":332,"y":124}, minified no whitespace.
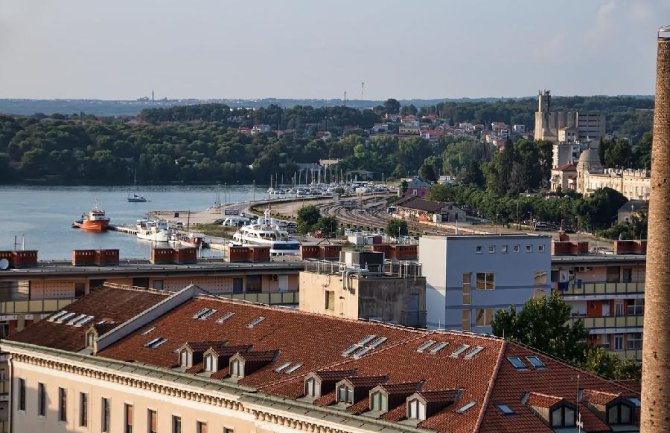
{"x":152,"y":230}
{"x":266,"y":232}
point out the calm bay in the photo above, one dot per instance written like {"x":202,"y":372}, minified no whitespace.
{"x":41,"y":217}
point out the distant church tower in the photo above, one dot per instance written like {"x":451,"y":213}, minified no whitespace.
{"x":655,"y":410}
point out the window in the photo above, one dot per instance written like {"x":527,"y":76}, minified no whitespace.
{"x":158,"y":284}
{"x":635,"y":307}
{"x":235,"y":370}
{"x":345,"y":394}
{"x":104,"y":422}
{"x":466,"y":288}
{"x":200,"y":427}
{"x":62,"y":405}
{"x":517,"y":362}
{"x":209,"y":363}
{"x":618,"y":308}
{"x":613,"y":273}
{"x":618,"y":342}
{"x":22,"y":394}
{"x":529,"y":248}
{"x":484,"y":316}
{"x":253,"y":284}
{"x":310,"y":387}
{"x":492,"y":249}
{"x":465,"y":407}
{"x":478,"y":249}
{"x":506,"y":410}
{"x":228,"y":430}
{"x":627,"y":275}
{"x":485,"y":281}
{"x":606,"y":308}
{"x":417,"y":410}
{"x":634,"y":341}
{"x":176,"y":424}
{"x":128,"y":418}
{"x":378,"y":402}
{"x":41,"y":400}
{"x":620,"y":414}
{"x":563,"y":416}
{"x":330,"y":300}
{"x":83,"y":409}
{"x":517,"y":248}
{"x":535,"y":361}
{"x":465,"y":320}
{"x":540,"y":248}
{"x":90,"y":339}
{"x":152,"y":421}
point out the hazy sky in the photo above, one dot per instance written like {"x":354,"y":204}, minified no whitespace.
{"x":122,"y":49}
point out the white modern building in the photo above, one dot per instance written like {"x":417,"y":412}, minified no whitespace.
{"x":469,"y":277}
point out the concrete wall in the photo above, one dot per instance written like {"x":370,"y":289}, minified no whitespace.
{"x":514,"y":273}
{"x":397,"y":300}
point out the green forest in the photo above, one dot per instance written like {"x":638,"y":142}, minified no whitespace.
{"x":204,"y":144}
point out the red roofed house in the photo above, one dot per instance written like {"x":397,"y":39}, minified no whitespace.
{"x":192,"y":362}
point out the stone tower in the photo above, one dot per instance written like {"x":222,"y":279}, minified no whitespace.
{"x":655,"y":415}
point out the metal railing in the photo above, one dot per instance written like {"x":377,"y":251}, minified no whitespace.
{"x":601,"y":288}
{"x":611,"y":322}
{"x":273,"y":298}
{"x":34,"y":306}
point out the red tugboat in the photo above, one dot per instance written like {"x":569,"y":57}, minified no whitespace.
{"x":94,"y":221}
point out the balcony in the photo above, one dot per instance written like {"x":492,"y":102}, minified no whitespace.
{"x":606,"y":325}
{"x":24,"y":306}
{"x":599,"y":290}
{"x":273,"y":298}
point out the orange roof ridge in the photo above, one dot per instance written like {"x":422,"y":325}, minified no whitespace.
{"x":489,"y":389}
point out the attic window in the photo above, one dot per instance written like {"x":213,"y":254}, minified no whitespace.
{"x":535,"y":362}
{"x":225,"y":317}
{"x":378,"y":402}
{"x":255,"y":322}
{"x":57,"y":316}
{"x":460,"y":350}
{"x":635,"y":401}
{"x":425,"y":346}
{"x":312,"y":388}
{"x":148,"y":330}
{"x":465,"y":407}
{"x":209,"y":363}
{"x":204,"y":313}
{"x":620,"y":414}
{"x":416,"y":409}
{"x":345,"y":394}
{"x":438,"y":347}
{"x":155,"y":342}
{"x":517,"y":362}
{"x":506,"y":410}
{"x":471,"y":354}
{"x":236,"y":368}
{"x":563,"y":416}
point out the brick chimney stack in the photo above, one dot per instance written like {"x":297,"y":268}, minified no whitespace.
{"x":655,"y":415}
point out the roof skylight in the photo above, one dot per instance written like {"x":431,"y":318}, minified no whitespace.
{"x":225,"y":317}
{"x":460,"y":350}
{"x":155,"y":342}
{"x":471,"y":354}
{"x":255,"y":322}
{"x":505,"y":409}
{"x":438,"y":347}
{"x":465,"y":407}
{"x":517,"y":362}
{"x":535,"y":361}
{"x":204,"y":313}
{"x":425,"y":346}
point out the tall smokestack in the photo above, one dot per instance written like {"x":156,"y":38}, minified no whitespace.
{"x":655,"y":415}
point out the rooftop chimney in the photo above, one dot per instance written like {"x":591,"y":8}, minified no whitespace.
{"x":656,"y":349}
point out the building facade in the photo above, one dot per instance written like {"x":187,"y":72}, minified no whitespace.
{"x":634,"y":184}
{"x":556,"y":125}
{"x":470,"y":277}
{"x":195,"y":363}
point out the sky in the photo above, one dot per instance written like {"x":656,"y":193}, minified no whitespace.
{"x":319,"y":49}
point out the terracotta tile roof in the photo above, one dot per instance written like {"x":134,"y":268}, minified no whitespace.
{"x":203,"y":346}
{"x":417,"y":203}
{"x":116,"y":305}
{"x":401,"y":388}
{"x":537,"y":399}
{"x":317,"y":342}
{"x":599,"y":397}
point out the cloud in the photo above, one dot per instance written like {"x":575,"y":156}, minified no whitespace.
{"x":603,"y":24}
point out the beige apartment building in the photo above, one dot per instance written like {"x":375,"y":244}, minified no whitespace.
{"x":192,"y":362}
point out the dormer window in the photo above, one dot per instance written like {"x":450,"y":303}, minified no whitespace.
{"x":236,"y":368}
{"x":345,"y":394}
{"x":378,"y":402}
{"x":563,"y":416}
{"x":210,"y":363}
{"x":416,"y":409}
{"x":90,"y":338}
{"x":184,"y":359}
{"x":620,"y":414}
